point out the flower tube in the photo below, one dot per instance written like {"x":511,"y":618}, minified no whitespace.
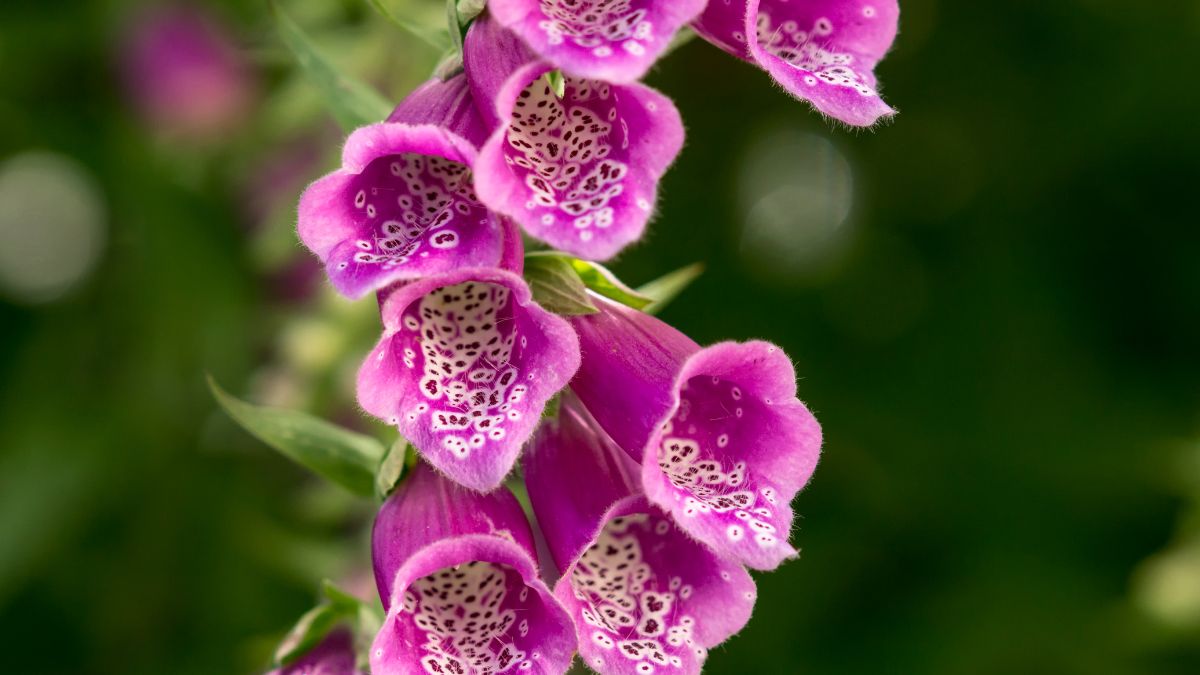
{"x":403,"y":205}
{"x":579,"y":172}
{"x":820,"y":51}
{"x":644,"y":595}
{"x":723,"y":441}
{"x":456,"y":571}
{"x":465,"y":366}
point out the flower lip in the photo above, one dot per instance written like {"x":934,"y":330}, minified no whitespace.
{"x":644,"y":593}
{"x":612,"y":40}
{"x":734,"y":449}
{"x":823,"y":52}
{"x":464,"y":368}
{"x":403,"y":204}
{"x":578,"y":172}
{"x":476,"y":601}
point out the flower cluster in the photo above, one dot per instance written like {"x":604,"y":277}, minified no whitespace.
{"x":667,"y":468}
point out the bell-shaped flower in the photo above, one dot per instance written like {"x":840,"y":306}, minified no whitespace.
{"x":612,"y":40}
{"x":821,"y":51}
{"x":403,"y":205}
{"x":578,"y":171}
{"x":644,"y":595}
{"x":465,"y":366}
{"x":724,"y":443}
{"x":458,"y":577}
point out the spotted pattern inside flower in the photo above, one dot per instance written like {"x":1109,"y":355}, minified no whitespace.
{"x":627,"y":611}
{"x":699,"y":456}
{"x":471,"y":619}
{"x":562,"y":147}
{"x":412,"y":206}
{"x":464,"y":341}
{"x":809,"y":50}
{"x":599,"y":25}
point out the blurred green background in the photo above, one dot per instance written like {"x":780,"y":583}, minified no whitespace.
{"x":992,"y":303}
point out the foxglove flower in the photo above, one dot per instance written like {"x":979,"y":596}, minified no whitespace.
{"x":456,"y":571}
{"x":578,"y":172}
{"x":403,"y":205}
{"x":334,"y":655}
{"x":723,"y":441}
{"x":821,"y":51}
{"x":613,"y":40}
{"x":643,"y":594}
{"x":465,"y":366}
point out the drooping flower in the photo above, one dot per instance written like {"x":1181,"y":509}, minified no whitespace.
{"x":457,"y":574}
{"x":403,"y":205}
{"x":465,"y":366}
{"x":334,"y":655}
{"x":643,"y":594}
{"x":580,"y":171}
{"x":821,"y":51}
{"x":613,"y":40}
{"x":724,"y":443}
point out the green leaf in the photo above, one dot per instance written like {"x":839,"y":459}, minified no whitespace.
{"x":598,"y":278}
{"x":556,"y":286}
{"x":345,"y":457}
{"x":351,"y":102}
{"x":433,"y":36}
{"x":664,"y":289}
{"x":391,"y":469}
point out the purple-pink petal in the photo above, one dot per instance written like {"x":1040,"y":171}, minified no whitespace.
{"x":733,"y":452}
{"x":579,"y":173}
{"x":427,"y":508}
{"x":403,"y":205}
{"x":463,"y":594}
{"x":465,"y":366}
{"x":723,"y":441}
{"x":612,"y":40}
{"x":821,"y":51}
{"x":644,"y":595}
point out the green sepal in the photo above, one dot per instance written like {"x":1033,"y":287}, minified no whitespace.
{"x":335,"y":608}
{"x":391,"y":469}
{"x":351,"y":102}
{"x":556,"y":286}
{"x":597,"y":278}
{"x":345,"y":457}
{"x":664,"y":289}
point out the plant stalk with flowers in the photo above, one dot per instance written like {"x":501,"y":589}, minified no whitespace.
{"x":653,"y":471}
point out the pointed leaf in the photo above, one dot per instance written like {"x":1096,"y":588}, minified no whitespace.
{"x":556,"y":286}
{"x":345,"y":457}
{"x":351,"y":102}
{"x":664,"y":289}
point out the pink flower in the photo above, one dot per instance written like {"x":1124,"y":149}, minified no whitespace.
{"x":820,"y":51}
